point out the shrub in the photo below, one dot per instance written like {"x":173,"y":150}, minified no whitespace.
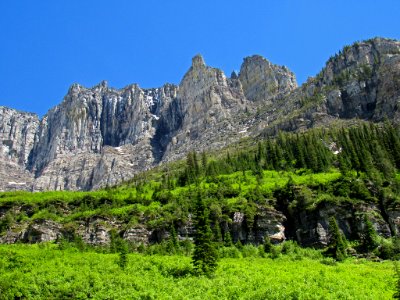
{"x":396,"y":295}
{"x":249,"y":251}
{"x":290,"y":247}
{"x":267,"y":245}
{"x":275,"y":252}
{"x":229,"y":252}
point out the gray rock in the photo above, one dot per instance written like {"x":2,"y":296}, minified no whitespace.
{"x":269,"y":223}
{"x":17,"y":135}
{"x":100,"y":136}
{"x":263,"y":81}
{"x":42,"y":231}
{"x":138,"y":235}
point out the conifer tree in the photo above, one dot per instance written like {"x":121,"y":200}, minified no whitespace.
{"x":368,"y":236}
{"x":173,"y":244}
{"x":337,"y":244}
{"x":123,"y":255}
{"x":204,"y":162}
{"x":205,"y":255}
{"x":228,"y":239}
{"x":217,"y":234}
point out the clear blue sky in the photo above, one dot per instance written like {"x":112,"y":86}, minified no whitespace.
{"x":47,"y":45}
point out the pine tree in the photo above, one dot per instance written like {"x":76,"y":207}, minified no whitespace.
{"x":123,"y":255}
{"x":368,"y":236}
{"x":228,"y":239}
{"x":172,"y":244}
{"x":205,"y":255}
{"x":217,"y":236}
{"x":204,"y":162}
{"x":337,"y":244}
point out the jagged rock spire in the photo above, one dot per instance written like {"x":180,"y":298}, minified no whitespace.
{"x":198,"y":61}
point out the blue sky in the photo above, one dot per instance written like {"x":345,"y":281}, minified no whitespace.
{"x":47,"y":45}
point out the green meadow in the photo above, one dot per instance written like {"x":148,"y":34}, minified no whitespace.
{"x":45,"y":272}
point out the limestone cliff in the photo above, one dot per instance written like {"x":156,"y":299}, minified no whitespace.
{"x":97,"y":137}
{"x":17,"y":135}
{"x":101,"y":136}
{"x":361,"y":81}
{"x":262,"y":81}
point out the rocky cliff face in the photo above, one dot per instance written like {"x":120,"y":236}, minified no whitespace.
{"x":17,"y":136}
{"x":101,"y":136}
{"x":208,"y":103}
{"x":361,"y":81}
{"x":97,"y":136}
{"x":262,"y":81}
{"x":308,"y":228}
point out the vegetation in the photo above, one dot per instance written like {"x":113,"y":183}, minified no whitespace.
{"x":337,"y":243}
{"x":205,"y":254}
{"x":43,"y":272}
{"x":341,"y":169}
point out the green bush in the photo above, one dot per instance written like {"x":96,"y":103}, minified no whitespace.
{"x":229,"y":252}
{"x":250,"y":251}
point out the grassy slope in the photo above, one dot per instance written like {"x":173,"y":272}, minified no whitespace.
{"x":122,"y":199}
{"x":42,"y":272}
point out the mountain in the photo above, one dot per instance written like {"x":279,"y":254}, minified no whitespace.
{"x":101,"y":136}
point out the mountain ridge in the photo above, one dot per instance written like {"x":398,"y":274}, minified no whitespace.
{"x":101,"y":136}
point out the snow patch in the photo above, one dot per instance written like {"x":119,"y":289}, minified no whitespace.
{"x":17,"y":183}
{"x":149,"y":100}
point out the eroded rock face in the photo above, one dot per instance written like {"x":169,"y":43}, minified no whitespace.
{"x":312,"y":227}
{"x":394,"y":221}
{"x":308,"y":227}
{"x":17,"y":136}
{"x":97,"y":137}
{"x":42,"y":231}
{"x":207,"y":105}
{"x":101,"y":136}
{"x":269,"y":223}
{"x":365,"y":76}
{"x":359,"y":82}
{"x":138,"y":235}
{"x":263,"y":81}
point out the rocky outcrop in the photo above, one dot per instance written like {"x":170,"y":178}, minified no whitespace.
{"x":42,"y":231}
{"x":358,"y":82}
{"x":263,"y":81}
{"x":312,"y":227}
{"x":362,"y":80}
{"x":309,"y":227}
{"x":97,"y":230}
{"x":208,"y":104}
{"x":17,"y":136}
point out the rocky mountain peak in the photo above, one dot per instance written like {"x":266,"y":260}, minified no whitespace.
{"x":262,"y":81}
{"x":103,"y":84}
{"x":100,"y":136}
{"x":361,"y":80}
{"x":198,"y":61}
